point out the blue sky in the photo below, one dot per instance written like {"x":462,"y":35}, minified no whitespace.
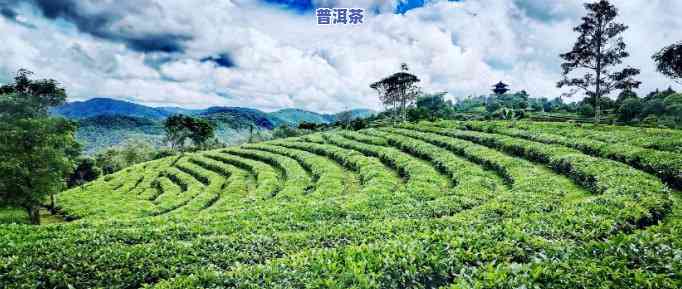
{"x":271,"y":54}
{"x":297,"y":5}
{"x":408,"y":5}
{"x":401,"y":7}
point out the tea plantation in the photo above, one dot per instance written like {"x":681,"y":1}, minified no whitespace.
{"x":429,"y":205}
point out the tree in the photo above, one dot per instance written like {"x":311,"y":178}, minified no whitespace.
{"x":432,"y":107}
{"x":181,"y":128}
{"x":673,"y":106}
{"x":661,"y":95}
{"x":598,"y":49}
{"x":136,"y":151}
{"x":518,"y":100}
{"x":38,"y":150}
{"x":359,"y":123}
{"x":492,"y":106}
{"x":177,"y":130}
{"x":202,"y":131}
{"x":669,"y":61}
{"x":285,"y":131}
{"x":630,"y":109}
{"x":30,"y":98}
{"x":132,"y":152}
{"x":398,"y":90}
{"x":110,"y":161}
{"x":536,"y":105}
{"x":605,"y":103}
{"x":311,"y":126}
{"x":586,"y":110}
{"x":624,"y":95}
{"x":544,"y":103}
{"x":653,"y":107}
{"x":86,"y":171}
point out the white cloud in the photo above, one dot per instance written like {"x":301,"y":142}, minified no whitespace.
{"x":283,"y":59}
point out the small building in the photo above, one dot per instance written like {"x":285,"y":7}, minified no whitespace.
{"x":500,"y":88}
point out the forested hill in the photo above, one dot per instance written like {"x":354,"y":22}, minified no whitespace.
{"x":105,"y":106}
{"x":294,"y":116}
{"x":108,"y":122}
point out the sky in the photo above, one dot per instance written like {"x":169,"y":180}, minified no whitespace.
{"x":271,"y":54}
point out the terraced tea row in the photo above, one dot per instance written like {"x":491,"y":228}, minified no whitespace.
{"x":420,"y":206}
{"x":315,"y":262}
{"x":664,"y":164}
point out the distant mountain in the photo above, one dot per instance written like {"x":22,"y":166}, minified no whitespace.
{"x":233,"y":125}
{"x":239,"y":117}
{"x":358,"y":113}
{"x":106,"y":106}
{"x":179,"y":110}
{"x":108,"y":122}
{"x":104,"y":131}
{"x":294,"y":116}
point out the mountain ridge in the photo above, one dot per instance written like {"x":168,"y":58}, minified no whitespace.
{"x":107,"y":106}
{"x":105,"y":122}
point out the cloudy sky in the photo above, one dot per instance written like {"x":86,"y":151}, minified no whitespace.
{"x":271,"y":54}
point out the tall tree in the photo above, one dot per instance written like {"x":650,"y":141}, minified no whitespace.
{"x":38,"y":150}
{"x":180,"y":128}
{"x":669,"y":61}
{"x":387,"y":94}
{"x":599,"y":49}
{"x":399,"y":89}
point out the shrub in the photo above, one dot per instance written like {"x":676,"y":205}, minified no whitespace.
{"x":586,"y":110}
{"x":630,"y":109}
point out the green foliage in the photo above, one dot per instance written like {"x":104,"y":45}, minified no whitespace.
{"x":669,"y":61}
{"x":285,"y":131}
{"x":398,"y":91}
{"x":605,"y":103}
{"x":309,"y":126}
{"x":103,"y":132}
{"x":28,"y":98}
{"x":431,"y":107}
{"x":133,"y":151}
{"x":537,"y":106}
{"x":86,"y":171}
{"x":359,"y":123}
{"x":654,"y":107}
{"x":630,"y":109}
{"x":428,"y":205}
{"x":598,"y":49}
{"x":182,"y":128}
{"x":13,"y":215}
{"x":625,"y":95}
{"x":470,"y":104}
{"x":586,"y":110}
{"x":37,"y":150}
{"x":666,"y":165}
{"x":492,"y":106}
{"x":518,"y":100}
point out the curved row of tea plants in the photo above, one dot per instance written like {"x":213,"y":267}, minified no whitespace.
{"x":666,"y":165}
{"x":418,"y":206}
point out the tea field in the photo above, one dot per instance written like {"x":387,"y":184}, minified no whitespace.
{"x":428,"y":205}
